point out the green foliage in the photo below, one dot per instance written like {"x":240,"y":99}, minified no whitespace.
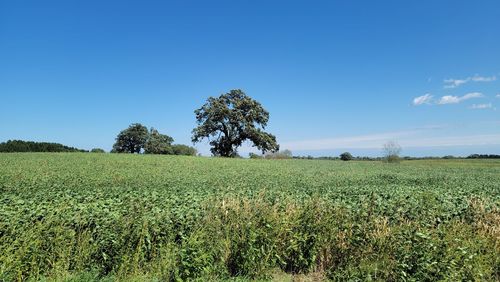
{"x":12,"y":146}
{"x":346,"y":156}
{"x":84,"y":217}
{"x":97,"y":150}
{"x":230,"y":120}
{"x":158,"y":143}
{"x":131,"y":140}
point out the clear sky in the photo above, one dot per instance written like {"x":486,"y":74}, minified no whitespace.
{"x":334,"y":75}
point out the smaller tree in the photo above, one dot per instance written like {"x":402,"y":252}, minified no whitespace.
{"x":391,"y":151}
{"x":97,"y":150}
{"x":346,"y":156}
{"x":132,"y":139}
{"x":158,"y":143}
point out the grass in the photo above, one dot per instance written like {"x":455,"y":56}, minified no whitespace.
{"x":83,"y":217}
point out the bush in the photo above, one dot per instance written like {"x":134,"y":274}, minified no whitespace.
{"x":346,"y":156}
{"x":179,"y":149}
{"x":97,"y":150}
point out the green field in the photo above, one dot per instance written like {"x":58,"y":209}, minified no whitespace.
{"x":81,"y":217}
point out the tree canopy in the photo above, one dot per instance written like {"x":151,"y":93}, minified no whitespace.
{"x":136,"y":139}
{"x":158,"y":143}
{"x":231,"y":119}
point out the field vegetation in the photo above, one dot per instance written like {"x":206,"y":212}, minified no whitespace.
{"x":84,"y":217}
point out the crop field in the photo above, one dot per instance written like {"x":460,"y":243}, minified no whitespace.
{"x":85,"y":217}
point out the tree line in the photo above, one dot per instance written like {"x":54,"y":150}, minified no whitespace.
{"x":12,"y":146}
{"x":483,"y":156}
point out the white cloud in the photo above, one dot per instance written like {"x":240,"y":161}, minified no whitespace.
{"x":449,"y":99}
{"x":481,"y":106}
{"x":454,"y":83}
{"x":425,"y":99}
{"x":498,"y":96}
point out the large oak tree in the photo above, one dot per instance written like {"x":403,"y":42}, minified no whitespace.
{"x":231,"y":119}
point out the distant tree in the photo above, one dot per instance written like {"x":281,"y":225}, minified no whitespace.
{"x":179,"y":149}
{"x":230,"y":120}
{"x":346,"y":156}
{"x":391,"y":151}
{"x":158,"y":143}
{"x":97,"y":150}
{"x":132,"y":139}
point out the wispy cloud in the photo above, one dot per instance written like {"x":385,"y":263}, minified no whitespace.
{"x":478,"y":78}
{"x":405,"y":139}
{"x":498,"y":96}
{"x":481,"y":106}
{"x":454,"y":83}
{"x":360,"y":142}
{"x":449,"y":99}
{"x":424,"y":99}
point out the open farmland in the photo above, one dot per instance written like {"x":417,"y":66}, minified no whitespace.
{"x":76,"y":216}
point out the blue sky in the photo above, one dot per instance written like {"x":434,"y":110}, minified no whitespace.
{"x":335,"y":75}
